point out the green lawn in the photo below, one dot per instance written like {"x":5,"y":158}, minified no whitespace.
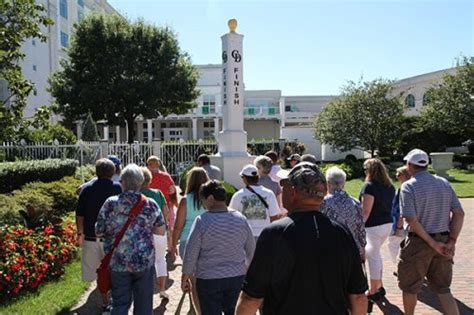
{"x":463,"y":184}
{"x":52,"y":297}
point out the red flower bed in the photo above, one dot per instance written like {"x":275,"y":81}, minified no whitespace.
{"x":31,"y":257}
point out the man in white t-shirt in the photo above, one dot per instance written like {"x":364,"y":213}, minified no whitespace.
{"x":257,"y":203}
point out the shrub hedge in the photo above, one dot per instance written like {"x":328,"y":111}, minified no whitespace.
{"x":353,"y":169}
{"x":51,"y":199}
{"x":14,"y":175}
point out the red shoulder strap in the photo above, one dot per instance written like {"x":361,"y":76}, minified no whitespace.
{"x":131,"y":215}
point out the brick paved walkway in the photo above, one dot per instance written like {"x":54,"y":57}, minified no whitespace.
{"x":462,"y":288}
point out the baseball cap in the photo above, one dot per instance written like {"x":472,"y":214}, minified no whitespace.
{"x":115,"y":159}
{"x":294,"y":157}
{"x":309,"y":158}
{"x":417,"y":157}
{"x":249,"y":170}
{"x":305,"y":177}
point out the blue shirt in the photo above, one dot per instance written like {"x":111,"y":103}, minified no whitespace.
{"x":91,"y":199}
{"x":135,"y":252}
{"x":191,"y":213}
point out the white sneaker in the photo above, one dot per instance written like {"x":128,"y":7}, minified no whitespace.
{"x":164,"y":295}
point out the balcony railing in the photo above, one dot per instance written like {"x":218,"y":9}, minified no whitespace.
{"x":261,"y":111}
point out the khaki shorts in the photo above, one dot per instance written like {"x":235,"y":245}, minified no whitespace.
{"x":418,"y":260}
{"x":92,"y":254}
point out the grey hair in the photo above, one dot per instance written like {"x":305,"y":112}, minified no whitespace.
{"x":132,"y":177}
{"x":265,"y":163}
{"x":336,"y":177}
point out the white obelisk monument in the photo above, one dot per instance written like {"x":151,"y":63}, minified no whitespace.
{"x":232,"y":155}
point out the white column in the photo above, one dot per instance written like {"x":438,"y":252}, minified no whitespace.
{"x":79,"y":129}
{"x":126,"y":131}
{"x":117,"y":132}
{"x":106,"y":132}
{"x":282,"y":105}
{"x":233,"y":138}
{"x":195,"y":128}
{"x":216,"y":127}
{"x":149,"y":124}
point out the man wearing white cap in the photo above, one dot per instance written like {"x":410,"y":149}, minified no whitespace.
{"x":257,"y":203}
{"x":435,"y":217}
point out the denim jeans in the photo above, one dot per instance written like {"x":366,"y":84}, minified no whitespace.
{"x":136,"y":286}
{"x":219,"y":295}
{"x":182,"y":247}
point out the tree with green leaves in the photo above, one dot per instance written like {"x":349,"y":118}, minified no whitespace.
{"x":89,"y":130}
{"x":19,"y":20}
{"x":119,"y":70}
{"x":450,"y":104}
{"x":365,"y":116}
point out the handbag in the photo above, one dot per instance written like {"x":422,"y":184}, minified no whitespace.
{"x":192,"y":310}
{"x":103,"y":272}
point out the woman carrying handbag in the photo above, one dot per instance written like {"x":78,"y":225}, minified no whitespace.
{"x":132,"y":258}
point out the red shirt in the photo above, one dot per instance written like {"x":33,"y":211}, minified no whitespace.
{"x":163,"y":182}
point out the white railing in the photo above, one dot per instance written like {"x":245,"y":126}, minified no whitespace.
{"x":87,"y":152}
{"x":176,"y":155}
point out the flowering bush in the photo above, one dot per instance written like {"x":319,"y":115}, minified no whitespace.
{"x":30,"y":257}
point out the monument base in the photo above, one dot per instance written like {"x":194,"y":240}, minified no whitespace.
{"x":232,"y":143}
{"x":231,"y":166}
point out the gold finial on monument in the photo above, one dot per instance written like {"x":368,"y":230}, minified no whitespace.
{"x":232,"y":25}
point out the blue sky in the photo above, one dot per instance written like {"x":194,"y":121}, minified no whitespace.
{"x":313,"y":47}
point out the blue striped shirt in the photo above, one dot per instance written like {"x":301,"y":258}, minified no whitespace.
{"x":430,"y":199}
{"x":220,"y":245}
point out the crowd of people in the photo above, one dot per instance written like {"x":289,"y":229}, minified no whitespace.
{"x":291,"y":241}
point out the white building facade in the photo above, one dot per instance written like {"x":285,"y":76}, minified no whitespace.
{"x":268,"y":114}
{"x":43,"y":58}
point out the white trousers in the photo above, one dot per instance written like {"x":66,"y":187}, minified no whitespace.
{"x":160,"y":242}
{"x":376,"y":236}
{"x":394,"y":246}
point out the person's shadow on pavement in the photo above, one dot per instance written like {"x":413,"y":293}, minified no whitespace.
{"x":427,"y":297}
{"x":93,"y":305}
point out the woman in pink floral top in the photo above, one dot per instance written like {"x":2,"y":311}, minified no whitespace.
{"x":132,"y":264}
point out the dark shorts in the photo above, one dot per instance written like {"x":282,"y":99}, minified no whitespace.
{"x":418,"y":260}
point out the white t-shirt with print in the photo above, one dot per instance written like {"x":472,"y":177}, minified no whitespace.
{"x":258,"y":216}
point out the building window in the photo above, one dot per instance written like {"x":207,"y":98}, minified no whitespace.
{"x":208,"y":104}
{"x":64,"y":39}
{"x":163,"y":125}
{"x":63,"y":8}
{"x":33,"y":42}
{"x":410,"y":101}
{"x":208,"y":124}
{"x":35,"y":92}
{"x":80,"y":3}
{"x":34,"y":67}
{"x":287,"y":108}
{"x":426,"y":99}
{"x":80,"y":15}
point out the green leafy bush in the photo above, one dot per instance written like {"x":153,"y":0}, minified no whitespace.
{"x":51,"y":199}
{"x":49,"y":134}
{"x":9,"y":208}
{"x":464,"y":159}
{"x":230,"y":190}
{"x":63,"y":193}
{"x":352,"y":169}
{"x":14,"y":175}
